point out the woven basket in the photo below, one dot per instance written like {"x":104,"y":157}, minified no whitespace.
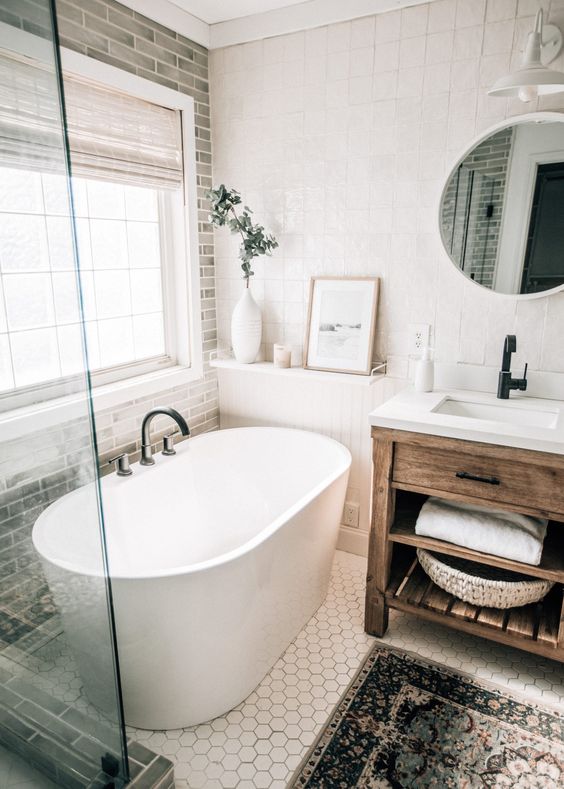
{"x":481,"y":585}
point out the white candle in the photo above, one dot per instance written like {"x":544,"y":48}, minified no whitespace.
{"x":282,"y":355}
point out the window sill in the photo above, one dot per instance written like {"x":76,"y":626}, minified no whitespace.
{"x":41,"y":416}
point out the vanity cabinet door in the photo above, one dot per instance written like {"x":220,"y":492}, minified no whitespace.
{"x":491,"y":479}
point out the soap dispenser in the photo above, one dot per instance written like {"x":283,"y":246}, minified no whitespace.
{"x":425,"y":372}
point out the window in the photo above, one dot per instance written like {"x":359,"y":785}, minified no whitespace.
{"x":121,"y":261}
{"x":129,"y":189}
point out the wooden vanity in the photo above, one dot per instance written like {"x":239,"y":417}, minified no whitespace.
{"x":409,"y":467}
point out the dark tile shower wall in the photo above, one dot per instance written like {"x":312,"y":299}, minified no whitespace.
{"x":49,"y":734}
{"x":35,"y":471}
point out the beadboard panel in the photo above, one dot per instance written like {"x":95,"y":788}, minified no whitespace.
{"x":338,"y":410}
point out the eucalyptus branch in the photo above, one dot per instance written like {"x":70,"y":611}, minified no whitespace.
{"x":255,"y":241}
{"x":238,"y":224}
{"x":246,"y":276}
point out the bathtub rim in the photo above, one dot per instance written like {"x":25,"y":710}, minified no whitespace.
{"x":40,"y":531}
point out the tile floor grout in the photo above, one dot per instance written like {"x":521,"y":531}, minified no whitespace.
{"x":260,"y":743}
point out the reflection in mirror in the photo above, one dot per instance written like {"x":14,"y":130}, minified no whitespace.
{"x":502,"y":209}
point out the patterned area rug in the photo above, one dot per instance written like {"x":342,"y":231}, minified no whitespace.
{"x":405,"y":722}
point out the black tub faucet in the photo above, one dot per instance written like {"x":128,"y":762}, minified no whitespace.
{"x":505,"y":382}
{"x":146,"y":451}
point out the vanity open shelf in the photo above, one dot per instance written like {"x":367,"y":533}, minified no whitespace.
{"x":532,"y":627}
{"x":408,"y":468}
{"x":408,"y":505}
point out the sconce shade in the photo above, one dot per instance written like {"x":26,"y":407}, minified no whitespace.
{"x":543,"y":79}
{"x":533,"y":78}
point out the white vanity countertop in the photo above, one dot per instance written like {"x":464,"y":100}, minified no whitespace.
{"x":524,"y":422}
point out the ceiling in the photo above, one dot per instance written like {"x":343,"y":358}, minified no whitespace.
{"x":220,"y":23}
{"x":214,"y":11}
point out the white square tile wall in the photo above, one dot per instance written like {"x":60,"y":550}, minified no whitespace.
{"x":340,"y":138}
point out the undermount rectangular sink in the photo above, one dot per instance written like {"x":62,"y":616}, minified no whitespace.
{"x":498,"y":412}
{"x":525,"y":422}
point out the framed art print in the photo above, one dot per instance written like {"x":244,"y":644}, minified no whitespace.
{"x":341,"y":324}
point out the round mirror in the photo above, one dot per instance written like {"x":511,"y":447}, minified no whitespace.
{"x":501,"y":214}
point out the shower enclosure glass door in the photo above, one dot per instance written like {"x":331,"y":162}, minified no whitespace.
{"x":48,"y":720}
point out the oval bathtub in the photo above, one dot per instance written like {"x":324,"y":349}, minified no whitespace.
{"x":218,"y":556}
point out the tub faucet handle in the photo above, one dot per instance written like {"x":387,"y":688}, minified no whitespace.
{"x":123,"y":468}
{"x":168,"y":443}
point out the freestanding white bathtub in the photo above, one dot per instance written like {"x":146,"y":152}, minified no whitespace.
{"x":218,"y":557}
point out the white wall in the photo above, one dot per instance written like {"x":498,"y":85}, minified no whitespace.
{"x":340,"y":137}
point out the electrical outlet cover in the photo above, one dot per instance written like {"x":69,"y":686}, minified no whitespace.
{"x":351,"y":513}
{"x":419,"y":334}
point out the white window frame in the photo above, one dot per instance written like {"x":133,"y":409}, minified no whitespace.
{"x":181,"y":246}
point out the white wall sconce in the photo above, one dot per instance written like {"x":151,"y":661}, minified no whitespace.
{"x":533,"y":78}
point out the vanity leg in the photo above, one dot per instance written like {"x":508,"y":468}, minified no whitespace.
{"x":376,"y":618}
{"x":379,"y":550}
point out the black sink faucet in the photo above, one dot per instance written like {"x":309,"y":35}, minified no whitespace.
{"x":146,"y":451}
{"x":505,"y":382}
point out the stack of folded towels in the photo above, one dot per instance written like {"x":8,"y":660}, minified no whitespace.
{"x":507,"y":534}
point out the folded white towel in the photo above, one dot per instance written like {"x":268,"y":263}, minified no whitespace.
{"x":507,"y":534}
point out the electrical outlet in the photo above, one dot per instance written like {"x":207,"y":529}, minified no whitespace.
{"x":351,"y":514}
{"x":419,"y":334}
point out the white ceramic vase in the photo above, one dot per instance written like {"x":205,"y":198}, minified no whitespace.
{"x":246,"y":328}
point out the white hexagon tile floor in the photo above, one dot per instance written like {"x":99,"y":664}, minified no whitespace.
{"x":261,"y":742}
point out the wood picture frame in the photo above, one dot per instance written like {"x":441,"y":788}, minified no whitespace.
{"x":341,"y":324}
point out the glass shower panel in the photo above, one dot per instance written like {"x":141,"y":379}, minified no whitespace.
{"x":60,"y":704}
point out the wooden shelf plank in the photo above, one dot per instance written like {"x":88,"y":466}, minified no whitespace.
{"x":522,"y":621}
{"x":437,"y":599}
{"x":534,"y":627}
{"x":403,"y":531}
{"x":417,"y":585}
{"x":463,"y":610}
{"x":452,"y":496}
{"x":548,"y":649}
{"x":492,"y":617}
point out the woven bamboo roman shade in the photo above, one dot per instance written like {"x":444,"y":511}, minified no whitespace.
{"x":30,"y":119}
{"x":111,"y":135}
{"x":119,"y":137}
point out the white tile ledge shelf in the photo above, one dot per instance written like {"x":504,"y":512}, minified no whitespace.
{"x":268,"y":368}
